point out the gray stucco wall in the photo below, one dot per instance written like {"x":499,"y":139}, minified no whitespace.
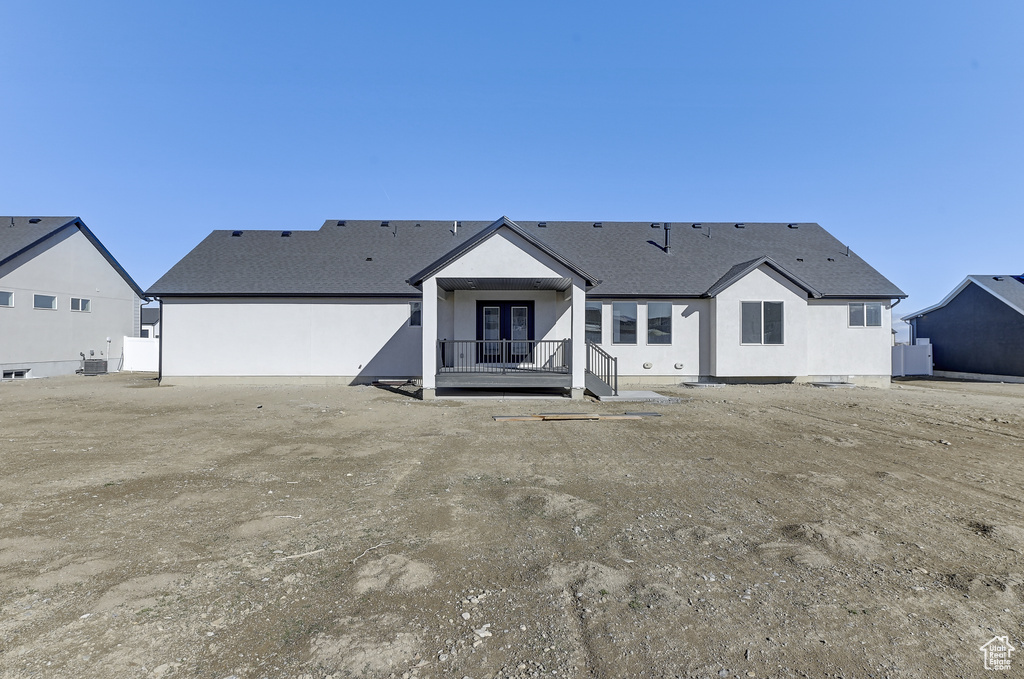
{"x":975,"y":333}
{"x":50,"y":342}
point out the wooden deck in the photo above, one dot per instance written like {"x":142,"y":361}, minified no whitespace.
{"x":489,"y":380}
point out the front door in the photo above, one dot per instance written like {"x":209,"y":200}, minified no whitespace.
{"x":504,"y":331}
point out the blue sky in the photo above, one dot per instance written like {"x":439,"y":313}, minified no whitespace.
{"x":898,"y":126}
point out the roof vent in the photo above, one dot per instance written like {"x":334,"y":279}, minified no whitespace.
{"x":831,"y":259}
{"x":997,"y":278}
{"x":598,"y":225}
{"x":696,"y":225}
{"x":741,"y":225}
{"x":341,"y":222}
{"x":542,"y":225}
{"x":34,"y":220}
{"x":418,"y":225}
{"x":369,"y":259}
{"x":793,"y":226}
{"x":385,"y":223}
{"x":286,"y":234}
{"x":655,"y":225}
{"x":236,"y":234}
{"x":799,"y":259}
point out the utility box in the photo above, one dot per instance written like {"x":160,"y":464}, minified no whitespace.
{"x":95,"y":366}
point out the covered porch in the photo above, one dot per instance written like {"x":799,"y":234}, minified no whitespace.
{"x":500,"y":363}
{"x":502,"y":310}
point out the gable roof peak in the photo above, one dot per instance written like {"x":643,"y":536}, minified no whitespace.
{"x":742,"y":269}
{"x":502,"y":223}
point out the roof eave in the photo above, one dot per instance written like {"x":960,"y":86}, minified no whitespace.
{"x":455,"y":253}
{"x":721,"y":285}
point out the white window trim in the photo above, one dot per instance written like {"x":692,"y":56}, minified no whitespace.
{"x":80,"y":310}
{"x":44,"y":308}
{"x":762,"y":302}
{"x":865,"y":324}
{"x":412,"y":313}
{"x":11,"y":305}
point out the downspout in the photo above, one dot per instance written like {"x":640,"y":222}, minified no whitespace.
{"x":160,"y":346}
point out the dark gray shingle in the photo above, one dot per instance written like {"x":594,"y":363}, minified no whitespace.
{"x":18,"y":234}
{"x":364,"y":258}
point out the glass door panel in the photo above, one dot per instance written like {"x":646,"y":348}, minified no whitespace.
{"x":492,"y":331}
{"x":520,"y":330}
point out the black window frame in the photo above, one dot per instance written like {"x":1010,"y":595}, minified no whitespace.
{"x":651,"y":329}
{"x":763,"y":323}
{"x":589,"y":334}
{"x":616,"y":321}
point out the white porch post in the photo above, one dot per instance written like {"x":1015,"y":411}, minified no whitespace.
{"x":429,"y":344}
{"x":579,"y":339}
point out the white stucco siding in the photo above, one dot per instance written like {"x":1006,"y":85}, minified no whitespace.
{"x":359,"y":338}
{"x":836,"y":349}
{"x":504,"y":255}
{"x":689,"y":347}
{"x":732,"y":358}
{"x":50,"y":342}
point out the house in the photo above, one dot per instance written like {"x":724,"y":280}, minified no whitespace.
{"x":150,"y":322}
{"x":63,"y":298}
{"x":976,"y":330}
{"x":567,"y":305}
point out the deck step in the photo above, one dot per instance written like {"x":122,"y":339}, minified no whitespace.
{"x":597,"y":386}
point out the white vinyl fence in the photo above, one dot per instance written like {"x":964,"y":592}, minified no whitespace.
{"x":911,"y":360}
{"x":141,"y":354}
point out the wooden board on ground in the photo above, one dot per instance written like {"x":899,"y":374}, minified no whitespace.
{"x":554,"y":417}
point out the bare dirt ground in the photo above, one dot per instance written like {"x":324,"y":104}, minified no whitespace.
{"x":750,"y":531}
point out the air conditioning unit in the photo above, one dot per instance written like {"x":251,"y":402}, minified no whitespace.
{"x":95,"y":366}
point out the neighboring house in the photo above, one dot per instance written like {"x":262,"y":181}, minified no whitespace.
{"x":150,"y":322}
{"x":977,"y":329}
{"x":63,"y":297}
{"x":570,"y":305}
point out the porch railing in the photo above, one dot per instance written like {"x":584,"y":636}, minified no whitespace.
{"x":503,"y":356}
{"x":603,"y":365}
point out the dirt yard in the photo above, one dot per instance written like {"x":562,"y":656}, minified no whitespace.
{"x":772,"y":531}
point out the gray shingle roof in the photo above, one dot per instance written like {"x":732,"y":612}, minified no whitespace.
{"x":1006,"y":287}
{"x":364,"y":258}
{"x":18,"y":234}
{"x":150,"y":315}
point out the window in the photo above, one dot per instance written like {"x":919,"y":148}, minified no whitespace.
{"x":624,"y":322}
{"x":593,"y":322}
{"x":44,"y":301}
{"x":19,"y":374}
{"x":415,"y":314}
{"x":865,"y":314}
{"x":6,"y":298}
{"x":80,"y":304}
{"x":659,"y":323}
{"x":761,"y":323}
{"x":144,"y":332}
